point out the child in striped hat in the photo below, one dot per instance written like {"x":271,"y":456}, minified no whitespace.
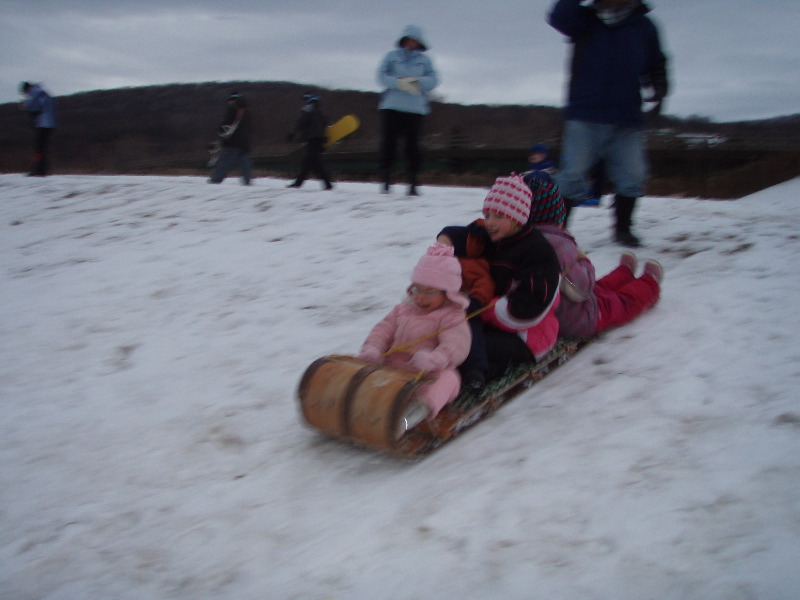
{"x":520,"y":324}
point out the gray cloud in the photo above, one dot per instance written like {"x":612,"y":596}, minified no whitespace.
{"x":730,"y":60}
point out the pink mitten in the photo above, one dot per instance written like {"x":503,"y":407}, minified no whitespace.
{"x":370,"y":354}
{"x":423,"y":360}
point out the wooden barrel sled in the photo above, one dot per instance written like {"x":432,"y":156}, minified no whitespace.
{"x":367,"y":404}
{"x":360,"y":402}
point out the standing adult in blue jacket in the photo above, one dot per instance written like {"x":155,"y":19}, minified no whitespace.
{"x":407,"y":75}
{"x":42,"y":110}
{"x":616,"y":53}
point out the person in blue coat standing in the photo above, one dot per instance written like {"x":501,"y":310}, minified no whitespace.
{"x":407,"y":76}
{"x":616,"y":54}
{"x":42,"y":110}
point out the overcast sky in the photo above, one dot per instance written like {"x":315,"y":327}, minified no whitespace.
{"x":729,"y":59}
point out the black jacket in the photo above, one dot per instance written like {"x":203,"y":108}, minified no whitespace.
{"x":240,"y":138}
{"x":524,"y":267}
{"x":312,"y":123}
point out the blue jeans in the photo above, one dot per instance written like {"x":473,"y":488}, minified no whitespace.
{"x":230,"y":158}
{"x":585,"y":144}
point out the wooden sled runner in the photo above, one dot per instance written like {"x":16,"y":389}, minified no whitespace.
{"x":365,"y":404}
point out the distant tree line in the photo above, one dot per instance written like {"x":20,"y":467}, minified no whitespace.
{"x":167,"y":129}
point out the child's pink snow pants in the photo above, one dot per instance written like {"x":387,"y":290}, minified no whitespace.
{"x":621,"y":297}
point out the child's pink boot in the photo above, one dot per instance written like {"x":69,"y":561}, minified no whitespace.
{"x":654,"y":269}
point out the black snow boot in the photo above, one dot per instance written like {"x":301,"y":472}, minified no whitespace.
{"x":412,"y":185}
{"x":386,"y":180}
{"x":623,"y":211}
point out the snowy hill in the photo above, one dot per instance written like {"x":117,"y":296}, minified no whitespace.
{"x":153,"y":332}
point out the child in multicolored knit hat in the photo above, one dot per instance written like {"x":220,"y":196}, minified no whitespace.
{"x":520,"y":323}
{"x":426,"y":332}
{"x":587,"y":306}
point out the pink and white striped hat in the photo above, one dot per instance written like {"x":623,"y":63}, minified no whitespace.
{"x":510,"y":196}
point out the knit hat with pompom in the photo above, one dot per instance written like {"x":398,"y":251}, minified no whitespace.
{"x":440,"y":269}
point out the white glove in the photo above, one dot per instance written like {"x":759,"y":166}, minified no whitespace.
{"x":227,"y":130}
{"x":408,"y":84}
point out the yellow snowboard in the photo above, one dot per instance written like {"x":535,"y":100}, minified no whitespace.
{"x":342,"y":128}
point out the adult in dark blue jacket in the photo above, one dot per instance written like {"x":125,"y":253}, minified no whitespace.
{"x":616,"y":53}
{"x":41,"y":108}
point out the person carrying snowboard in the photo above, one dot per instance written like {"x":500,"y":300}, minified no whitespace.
{"x":310,"y":127}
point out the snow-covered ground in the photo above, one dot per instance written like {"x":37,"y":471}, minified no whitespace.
{"x":153,"y":331}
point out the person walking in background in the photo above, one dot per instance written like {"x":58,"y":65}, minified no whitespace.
{"x":235,"y":133}
{"x":407,"y":75}
{"x":42,"y":110}
{"x":616,"y":52}
{"x":310,"y":127}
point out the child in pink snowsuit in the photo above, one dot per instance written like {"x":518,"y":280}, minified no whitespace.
{"x":428,"y":331}
{"x":587,"y":306}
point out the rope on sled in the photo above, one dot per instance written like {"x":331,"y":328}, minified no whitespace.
{"x":408,"y":346}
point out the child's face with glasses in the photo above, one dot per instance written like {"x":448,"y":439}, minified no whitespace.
{"x":427,"y":299}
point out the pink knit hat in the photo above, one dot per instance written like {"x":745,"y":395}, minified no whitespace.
{"x":510,"y":196}
{"x":440,"y":269}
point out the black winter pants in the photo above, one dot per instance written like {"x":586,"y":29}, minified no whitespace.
{"x":41,"y":143}
{"x":394,"y":125}
{"x":312,"y":163}
{"x":505,"y":349}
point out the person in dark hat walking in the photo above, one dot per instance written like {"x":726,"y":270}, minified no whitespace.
{"x":310,"y":128}
{"x":235,"y":133}
{"x":41,"y":108}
